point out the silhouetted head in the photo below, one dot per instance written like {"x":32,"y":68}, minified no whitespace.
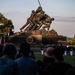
{"x":58,"y":53}
{"x":33,"y":11}
{"x":49,"y":52}
{"x":10,"y":50}
{"x":52,"y":19}
{"x":25,"y":49}
{"x":39,"y":9}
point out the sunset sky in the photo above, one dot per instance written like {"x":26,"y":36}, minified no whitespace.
{"x":62,"y":10}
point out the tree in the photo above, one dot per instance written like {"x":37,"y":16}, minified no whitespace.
{"x":72,"y":41}
{"x":6,"y":25}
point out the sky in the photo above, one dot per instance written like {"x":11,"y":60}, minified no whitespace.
{"x":63,"y":12}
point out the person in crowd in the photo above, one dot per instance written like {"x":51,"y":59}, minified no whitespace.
{"x":49,"y":55}
{"x":1,"y":50}
{"x":7,"y":64}
{"x":59,"y":67}
{"x":27,"y":65}
{"x":47,"y":60}
{"x":42,"y":49}
{"x":71,"y":52}
{"x":65,"y":52}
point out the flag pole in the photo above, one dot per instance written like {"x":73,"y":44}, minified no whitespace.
{"x":39,"y":3}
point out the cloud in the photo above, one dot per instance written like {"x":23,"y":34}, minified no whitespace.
{"x":15,"y":15}
{"x":64,"y":19}
{"x":25,"y":15}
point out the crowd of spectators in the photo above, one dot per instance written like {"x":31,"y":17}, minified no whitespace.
{"x":24,"y":62}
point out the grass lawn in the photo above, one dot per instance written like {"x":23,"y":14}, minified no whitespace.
{"x":69,"y":59}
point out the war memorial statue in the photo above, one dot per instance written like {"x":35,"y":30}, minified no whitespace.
{"x":37,"y":29}
{"x":37,"y":19}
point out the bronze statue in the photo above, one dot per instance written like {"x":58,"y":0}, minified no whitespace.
{"x":45,"y":20}
{"x":39,"y":15}
{"x":34,"y":19}
{"x":29,"y":20}
{"x":37,"y":19}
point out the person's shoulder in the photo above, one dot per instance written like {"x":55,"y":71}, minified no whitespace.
{"x":11,"y":62}
{"x":6,"y":60}
{"x":33,"y":60}
{"x":18,"y":59}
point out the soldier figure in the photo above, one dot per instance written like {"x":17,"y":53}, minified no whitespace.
{"x":47,"y":21}
{"x":39,"y":14}
{"x":29,"y":20}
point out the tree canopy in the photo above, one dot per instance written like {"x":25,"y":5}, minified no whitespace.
{"x":72,"y":41}
{"x":6,"y":25}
